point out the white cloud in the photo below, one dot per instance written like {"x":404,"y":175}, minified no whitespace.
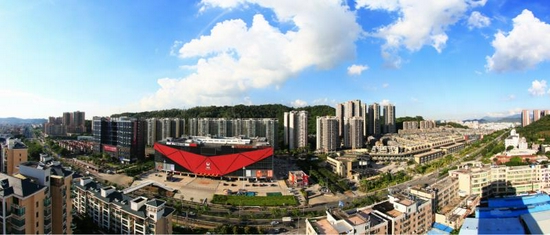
{"x":505,"y":114}
{"x":523,"y":47}
{"x":385,"y":102}
{"x":298,"y":103}
{"x":478,"y":20}
{"x":385,"y":85}
{"x":236,"y":56}
{"x":420,"y":23}
{"x":175,"y":47}
{"x":324,"y":101}
{"x":510,"y":97}
{"x":355,"y":69}
{"x":538,"y":88}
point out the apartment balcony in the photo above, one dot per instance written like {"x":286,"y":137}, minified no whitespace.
{"x":20,"y":223}
{"x":18,"y":211}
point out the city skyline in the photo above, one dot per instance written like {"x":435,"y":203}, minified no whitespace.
{"x":451,"y":60}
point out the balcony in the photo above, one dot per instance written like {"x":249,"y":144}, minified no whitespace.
{"x":47,"y":202}
{"x":18,"y":211}
{"x":17,"y":222}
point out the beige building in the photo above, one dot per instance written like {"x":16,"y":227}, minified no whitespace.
{"x":338,"y":222}
{"x":476,"y":178}
{"x":343,"y":166}
{"x":116,"y":212}
{"x":58,"y":181}
{"x":525,"y":118}
{"x":13,"y":153}
{"x":26,"y":206}
{"x":353,"y":132}
{"x":327,"y":134}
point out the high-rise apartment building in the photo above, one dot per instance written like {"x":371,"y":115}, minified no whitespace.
{"x":545,"y":112}
{"x":116,"y":212}
{"x":222,"y":127}
{"x":171,"y":127}
{"x":536,"y":115}
{"x":38,"y":199}
{"x":389,"y":119}
{"x":57,"y":180}
{"x":525,"y":118}
{"x":69,"y":123}
{"x":122,"y":138}
{"x":152,"y":131}
{"x":349,"y":109}
{"x":353,"y":132}
{"x":295,"y":129}
{"x":374,"y":119}
{"x":28,"y":206}
{"x":13,"y":153}
{"x":327,"y":133}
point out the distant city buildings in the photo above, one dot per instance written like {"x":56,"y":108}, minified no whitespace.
{"x":527,"y":118}
{"x":350,"y":109}
{"x":69,"y":123}
{"x":295,"y":129}
{"x":158,"y":129}
{"x":122,"y":138}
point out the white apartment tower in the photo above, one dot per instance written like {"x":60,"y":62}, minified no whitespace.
{"x":374,"y":119}
{"x":327,"y":133}
{"x":348,"y":109}
{"x":295,"y":129}
{"x":389,"y":119}
{"x":353,"y":132}
{"x":525,"y":118}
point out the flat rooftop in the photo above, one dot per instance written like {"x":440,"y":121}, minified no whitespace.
{"x":492,"y":226}
{"x":324,"y":227}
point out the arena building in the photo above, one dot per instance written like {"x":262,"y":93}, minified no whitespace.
{"x":216,"y":157}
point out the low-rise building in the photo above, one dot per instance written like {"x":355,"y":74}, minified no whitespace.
{"x":116,"y":212}
{"x":298,"y":179}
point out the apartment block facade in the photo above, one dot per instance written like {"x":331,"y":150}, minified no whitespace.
{"x":115,"y":212}
{"x":223,"y":127}
{"x":374,"y":119}
{"x":397,"y":215}
{"x":476,"y":178}
{"x":13,"y":152}
{"x":353,"y":132}
{"x":327,"y":134}
{"x":122,"y":138}
{"x":389,"y":119}
{"x":295,"y":129}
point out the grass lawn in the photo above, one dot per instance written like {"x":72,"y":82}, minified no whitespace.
{"x":255,"y":200}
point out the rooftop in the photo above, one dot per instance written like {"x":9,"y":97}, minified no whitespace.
{"x":492,"y":226}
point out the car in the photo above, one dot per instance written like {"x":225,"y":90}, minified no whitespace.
{"x":274,"y":222}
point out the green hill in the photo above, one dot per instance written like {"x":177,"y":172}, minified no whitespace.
{"x":537,"y":131}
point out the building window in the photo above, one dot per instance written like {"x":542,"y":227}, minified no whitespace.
{"x":37,"y":215}
{"x":37,"y":204}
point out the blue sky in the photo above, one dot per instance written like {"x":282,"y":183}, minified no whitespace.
{"x":451,"y":59}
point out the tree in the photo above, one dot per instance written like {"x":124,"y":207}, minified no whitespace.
{"x":509,"y":148}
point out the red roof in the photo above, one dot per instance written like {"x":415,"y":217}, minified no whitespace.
{"x":213,"y":165}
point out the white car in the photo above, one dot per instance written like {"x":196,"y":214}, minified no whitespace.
{"x":274,"y":222}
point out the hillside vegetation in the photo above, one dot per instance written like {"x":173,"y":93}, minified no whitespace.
{"x":537,"y":131}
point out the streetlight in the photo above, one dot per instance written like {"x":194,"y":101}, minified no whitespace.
{"x":243,"y":177}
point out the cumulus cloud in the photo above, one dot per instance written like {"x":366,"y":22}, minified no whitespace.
{"x":420,"y":23}
{"x":236,"y":56}
{"x":325,"y":101}
{"x":525,"y":46}
{"x":538,"y":88}
{"x":506,"y":113}
{"x":298,"y":103}
{"x":385,"y":102}
{"x":478,"y":20}
{"x":356,"y":69}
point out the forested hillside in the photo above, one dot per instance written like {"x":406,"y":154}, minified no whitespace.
{"x":537,"y":131}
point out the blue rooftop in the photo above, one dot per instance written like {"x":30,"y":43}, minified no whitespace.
{"x":510,"y":207}
{"x":491,"y":226}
